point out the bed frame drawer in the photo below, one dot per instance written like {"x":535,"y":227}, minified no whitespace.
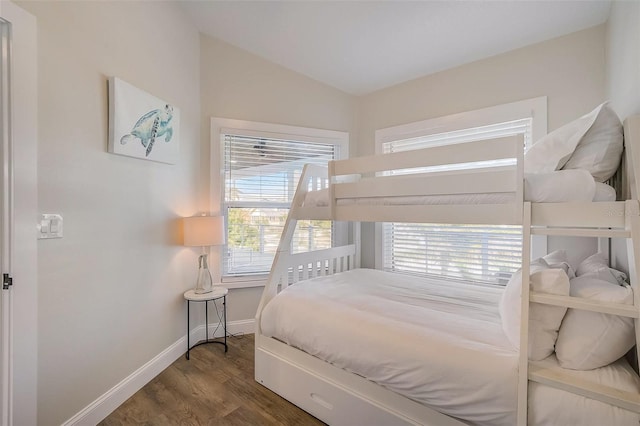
{"x":324,"y":400}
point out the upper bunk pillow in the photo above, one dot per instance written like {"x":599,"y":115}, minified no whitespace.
{"x":559,"y":186}
{"x":587,"y":339}
{"x":604,"y":192}
{"x":600,"y":149}
{"x":544,"y":320}
{"x":554,"y":150}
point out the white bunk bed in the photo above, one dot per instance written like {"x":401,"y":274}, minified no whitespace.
{"x":359,"y":190}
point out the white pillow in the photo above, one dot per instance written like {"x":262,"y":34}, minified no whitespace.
{"x":589,"y":340}
{"x":604,"y":192}
{"x":554,"y":150}
{"x":598,"y":265}
{"x":600,"y":149}
{"x":559,"y":186}
{"x":544,"y":320}
{"x":559,"y":260}
{"x":592,"y":263}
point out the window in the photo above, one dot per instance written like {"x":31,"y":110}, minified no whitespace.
{"x":260,"y":171}
{"x":474,"y":253}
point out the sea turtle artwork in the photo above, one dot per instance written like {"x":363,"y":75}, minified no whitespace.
{"x":152,"y":125}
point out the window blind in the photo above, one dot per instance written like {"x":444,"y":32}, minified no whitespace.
{"x":260,"y":179}
{"x":473,"y":253}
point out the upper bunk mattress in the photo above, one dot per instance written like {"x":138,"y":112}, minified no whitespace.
{"x":436,"y":342}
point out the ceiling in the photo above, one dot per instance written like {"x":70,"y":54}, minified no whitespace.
{"x":363,"y":46}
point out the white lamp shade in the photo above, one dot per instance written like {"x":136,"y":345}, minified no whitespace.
{"x":204,"y":231}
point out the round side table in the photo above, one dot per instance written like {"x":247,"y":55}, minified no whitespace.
{"x":218,"y":292}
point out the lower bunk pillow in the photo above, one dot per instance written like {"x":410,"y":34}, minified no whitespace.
{"x":436,"y":342}
{"x":560,"y":260}
{"x":599,"y":264}
{"x":544,"y":320}
{"x":587,"y":339}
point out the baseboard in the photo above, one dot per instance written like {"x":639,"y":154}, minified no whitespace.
{"x":216,"y":330}
{"x":99,"y":409}
{"x":233,"y":328}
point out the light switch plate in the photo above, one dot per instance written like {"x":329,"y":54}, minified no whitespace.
{"x":50,"y":226}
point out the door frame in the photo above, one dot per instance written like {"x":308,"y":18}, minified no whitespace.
{"x":6,"y":220}
{"x":19,"y":304}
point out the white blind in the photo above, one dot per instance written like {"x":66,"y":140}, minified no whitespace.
{"x":261,"y":175}
{"x":474,"y":253}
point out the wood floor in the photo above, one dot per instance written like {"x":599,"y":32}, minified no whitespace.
{"x":213,"y":388}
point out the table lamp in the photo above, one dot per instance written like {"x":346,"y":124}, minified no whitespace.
{"x":203,"y":231}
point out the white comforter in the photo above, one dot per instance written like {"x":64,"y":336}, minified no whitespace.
{"x":438,"y":343}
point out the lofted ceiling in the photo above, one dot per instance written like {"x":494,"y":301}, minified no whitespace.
{"x":363,"y":46}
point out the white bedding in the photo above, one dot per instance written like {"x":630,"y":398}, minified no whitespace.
{"x":553,"y":187}
{"x":436,"y":343}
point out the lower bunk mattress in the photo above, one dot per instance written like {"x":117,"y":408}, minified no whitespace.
{"x":436,"y":342}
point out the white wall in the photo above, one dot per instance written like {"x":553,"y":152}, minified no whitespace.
{"x":623,"y":57}
{"x":568,"y":70}
{"x":623,"y":77}
{"x":110,"y":291}
{"x":239,"y":85}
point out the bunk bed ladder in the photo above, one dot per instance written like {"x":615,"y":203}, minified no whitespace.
{"x":523,"y":362}
{"x":632,"y":220}
{"x":560,"y":379}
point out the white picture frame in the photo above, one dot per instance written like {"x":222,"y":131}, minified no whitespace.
{"x":141,"y":125}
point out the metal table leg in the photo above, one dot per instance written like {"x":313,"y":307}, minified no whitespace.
{"x":224,"y":314}
{"x":207,"y":340}
{"x":188,"y":330}
{"x":206,"y":321}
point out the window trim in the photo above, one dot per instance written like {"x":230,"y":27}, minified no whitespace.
{"x":219,"y":126}
{"x":535,"y":108}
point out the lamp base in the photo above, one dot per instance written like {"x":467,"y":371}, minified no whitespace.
{"x":204,"y":283}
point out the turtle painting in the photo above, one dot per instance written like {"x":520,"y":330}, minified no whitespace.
{"x":152,"y":125}
{"x":139,"y":123}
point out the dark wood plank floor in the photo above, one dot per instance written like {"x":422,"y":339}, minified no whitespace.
{"x":213,"y":388}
